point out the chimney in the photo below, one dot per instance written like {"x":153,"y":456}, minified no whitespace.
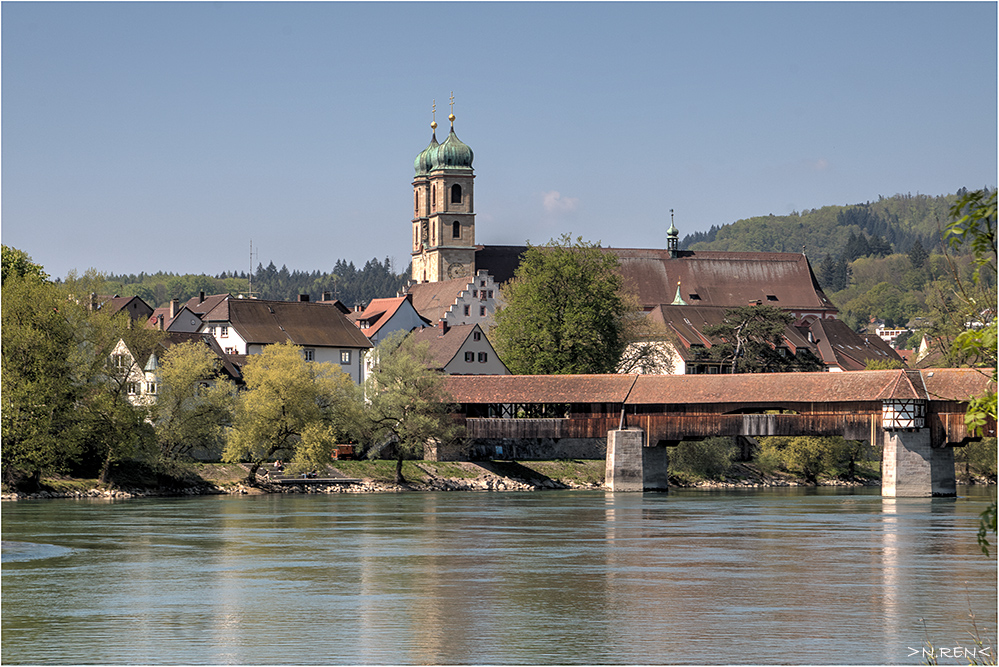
{"x":201,"y":297}
{"x":327,"y":296}
{"x":303,"y":298}
{"x":442,"y":326}
{"x":174,"y":307}
{"x":357,"y":308}
{"x":162,"y":322}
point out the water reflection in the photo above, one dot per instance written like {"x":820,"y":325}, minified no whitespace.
{"x":552,"y":578}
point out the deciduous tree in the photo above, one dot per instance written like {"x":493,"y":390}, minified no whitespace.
{"x":751,"y":339}
{"x":408,"y":403}
{"x":291,"y":407}
{"x":564,"y":311}
{"x":194,"y":403}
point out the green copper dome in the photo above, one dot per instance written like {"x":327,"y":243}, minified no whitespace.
{"x":452,"y":154}
{"x":672,"y":232}
{"x":423,"y":163}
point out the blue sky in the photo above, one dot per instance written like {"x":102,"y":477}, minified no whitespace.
{"x":165,"y":136}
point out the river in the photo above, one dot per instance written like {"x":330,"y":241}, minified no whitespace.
{"x":787,"y":576}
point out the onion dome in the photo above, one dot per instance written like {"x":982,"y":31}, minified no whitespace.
{"x":424,"y":161}
{"x":452,"y":154}
{"x":672,"y":232}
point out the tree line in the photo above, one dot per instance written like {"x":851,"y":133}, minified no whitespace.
{"x":345,"y":282}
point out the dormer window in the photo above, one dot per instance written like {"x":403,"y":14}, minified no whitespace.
{"x":694,"y":296}
{"x":771,"y":297}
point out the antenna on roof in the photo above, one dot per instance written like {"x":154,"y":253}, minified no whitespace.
{"x":249,"y":292}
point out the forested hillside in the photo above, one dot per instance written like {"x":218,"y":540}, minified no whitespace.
{"x":346,"y":282}
{"x":880,"y":260}
{"x":900,"y":221}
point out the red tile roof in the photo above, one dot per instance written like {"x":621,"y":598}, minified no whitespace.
{"x":432,"y":300}
{"x":769,"y":388}
{"x":378,"y":312}
{"x":540,"y":388}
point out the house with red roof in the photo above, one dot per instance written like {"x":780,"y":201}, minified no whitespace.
{"x":384,"y":316}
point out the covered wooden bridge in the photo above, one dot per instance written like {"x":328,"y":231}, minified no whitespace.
{"x":662,"y":410}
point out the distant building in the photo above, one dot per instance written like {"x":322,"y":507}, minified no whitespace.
{"x":246,"y":326}
{"x":382,"y":317}
{"x":461,"y":350}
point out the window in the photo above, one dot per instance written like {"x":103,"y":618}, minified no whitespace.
{"x":455,"y":194}
{"x":490,"y":294}
{"x":119,"y":361}
{"x":483,"y":357}
{"x":469,"y":357}
{"x":482,"y":311}
{"x":475,"y":293}
{"x":476,"y":335}
{"x":345,"y":357}
{"x":310,"y":355}
{"x":771,"y":297}
{"x":150,"y":387}
{"x":224,"y":331}
{"x":133,"y":388}
{"x":467,"y":309}
{"x":456,"y":230}
{"x":230,"y":350}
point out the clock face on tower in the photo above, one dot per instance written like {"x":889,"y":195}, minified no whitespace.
{"x":455,"y":271}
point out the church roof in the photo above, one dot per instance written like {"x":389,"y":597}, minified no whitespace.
{"x":500,"y":260}
{"x":729,"y":279}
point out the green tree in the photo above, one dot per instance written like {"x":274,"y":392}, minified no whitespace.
{"x":564,"y":311}
{"x":64,"y":402}
{"x":409,"y":406}
{"x":974,"y":226}
{"x":812,"y":457}
{"x":194,"y":403}
{"x":694,"y":460}
{"x":39,"y":390}
{"x":17,"y":264}
{"x":291,"y":407}
{"x":751,"y":339}
{"x":918,"y":255}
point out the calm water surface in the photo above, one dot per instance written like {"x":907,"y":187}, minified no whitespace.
{"x":758,"y":577}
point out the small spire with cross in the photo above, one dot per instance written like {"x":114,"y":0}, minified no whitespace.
{"x":433,"y":123}
{"x":451,"y":117}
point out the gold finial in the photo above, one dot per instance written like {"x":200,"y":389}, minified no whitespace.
{"x":433,"y":123}
{"x":451,"y":117}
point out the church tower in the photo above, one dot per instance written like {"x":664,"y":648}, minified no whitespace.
{"x":443,"y":209}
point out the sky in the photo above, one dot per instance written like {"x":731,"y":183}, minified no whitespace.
{"x":170,"y":136}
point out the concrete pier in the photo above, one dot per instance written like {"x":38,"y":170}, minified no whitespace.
{"x":912,"y":468}
{"x":631,"y":466}
{"x":625,"y":460}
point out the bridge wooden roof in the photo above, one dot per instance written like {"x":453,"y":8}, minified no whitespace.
{"x":856,"y":386}
{"x":484,"y":389}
